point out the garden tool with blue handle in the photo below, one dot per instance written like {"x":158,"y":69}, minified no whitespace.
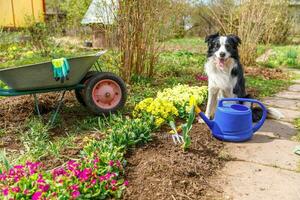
{"x":61,"y":69}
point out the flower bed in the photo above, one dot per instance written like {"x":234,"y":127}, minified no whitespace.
{"x":99,"y":173}
{"x":171,"y":102}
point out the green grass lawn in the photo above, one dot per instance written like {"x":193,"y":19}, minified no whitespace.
{"x":282,"y":56}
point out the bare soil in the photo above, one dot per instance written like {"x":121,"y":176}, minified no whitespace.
{"x":161,"y":170}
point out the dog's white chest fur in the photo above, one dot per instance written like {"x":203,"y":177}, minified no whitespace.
{"x":220,"y":78}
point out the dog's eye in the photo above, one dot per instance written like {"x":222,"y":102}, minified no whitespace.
{"x":227,"y":46}
{"x":218,"y":45}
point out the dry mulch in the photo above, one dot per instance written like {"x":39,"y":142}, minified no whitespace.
{"x":161,"y":170}
{"x":266,"y":73}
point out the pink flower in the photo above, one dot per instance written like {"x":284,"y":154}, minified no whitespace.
{"x":102,"y":178}
{"x":15,"y":189}
{"x":16,"y":179}
{"x":126,"y":183}
{"x":113,"y":182}
{"x":94,"y":181}
{"x":33,"y":167}
{"x":3,"y":177}
{"x":44,"y":188}
{"x":37,"y":195}
{"x":97,"y":160}
{"x":26,"y":192}
{"x":58,"y":172}
{"x":75,"y":194}
{"x":118,"y":163}
{"x":19,"y":167}
{"x":40,"y":179}
{"x":108,"y":175}
{"x":72,"y":165}
{"x":85,"y":174}
{"x":201,"y":77}
{"x":5,"y":191}
{"x":111,"y":163}
{"x":113,"y":188}
{"x":74,"y":187}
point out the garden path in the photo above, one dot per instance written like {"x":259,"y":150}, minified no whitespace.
{"x":266,"y":167}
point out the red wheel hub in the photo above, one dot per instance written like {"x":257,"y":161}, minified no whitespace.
{"x":107,"y":94}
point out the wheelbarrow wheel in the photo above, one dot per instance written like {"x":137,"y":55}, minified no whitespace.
{"x":79,"y":92}
{"x":105,"y":93}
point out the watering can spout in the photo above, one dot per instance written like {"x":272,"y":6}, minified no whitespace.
{"x":209,"y":122}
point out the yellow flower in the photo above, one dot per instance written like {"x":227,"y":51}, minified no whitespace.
{"x":159,"y":122}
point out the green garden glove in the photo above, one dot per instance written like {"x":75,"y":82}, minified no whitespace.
{"x":61,"y":69}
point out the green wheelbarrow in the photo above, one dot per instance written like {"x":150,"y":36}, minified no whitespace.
{"x":100,"y":92}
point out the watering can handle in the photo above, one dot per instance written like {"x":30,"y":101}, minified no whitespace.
{"x":261,"y":121}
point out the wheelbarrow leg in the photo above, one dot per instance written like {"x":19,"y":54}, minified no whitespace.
{"x":36,"y":105}
{"x":61,"y":100}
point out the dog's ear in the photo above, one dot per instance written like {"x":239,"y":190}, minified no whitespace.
{"x":210,"y":38}
{"x":237,"y":41}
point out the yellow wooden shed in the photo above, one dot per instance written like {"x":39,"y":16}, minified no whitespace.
{"x":16,"y":13}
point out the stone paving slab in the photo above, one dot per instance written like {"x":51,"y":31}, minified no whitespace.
{"x":289,"y":115}
{"x":294,"y":88}
{"x":278,"y":129}
{"x":250,"y":181}
{"x":288,"y":95}
{"x":267,"y":151}
{"x":296,"y":81}
{"x":293,"y":104}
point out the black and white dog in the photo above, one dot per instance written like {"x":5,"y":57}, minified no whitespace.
{"x":226,"y":74}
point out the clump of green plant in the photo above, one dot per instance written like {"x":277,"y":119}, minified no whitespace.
{"x":284,"y":56}
{"x":36,"y":138}
{"x":297,"y":125}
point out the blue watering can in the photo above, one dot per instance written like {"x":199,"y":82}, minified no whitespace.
{"x":233,"y":122}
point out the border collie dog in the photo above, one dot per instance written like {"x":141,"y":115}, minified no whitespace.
{"x":226,"y":74}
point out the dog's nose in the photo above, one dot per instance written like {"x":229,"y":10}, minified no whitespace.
{"x":222,"y":54}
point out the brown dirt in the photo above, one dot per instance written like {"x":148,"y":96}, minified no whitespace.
{"x":161,"y":170}
{"x":266,"y":73}
{"x":14,"y":111}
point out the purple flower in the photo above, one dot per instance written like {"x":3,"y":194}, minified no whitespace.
{"x":5,"y":191}
{"x":75,"y":194}
{"x":113,"y":182}
{"x":37,"y":195}
{"x":111,"y":163}
{"x":126,"y":183}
